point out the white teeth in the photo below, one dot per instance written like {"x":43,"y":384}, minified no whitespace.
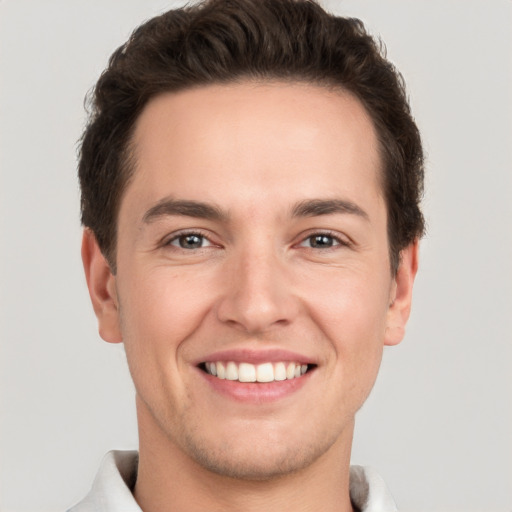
{"x":279,"y":371}
{"x":232,"y":371}
{"x":221,"y":370}
{"x":265,"y":372}
{"x":247,"y":372}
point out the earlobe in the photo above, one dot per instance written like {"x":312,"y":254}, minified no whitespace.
{"x":102,"y":288}
{"x":401,"y":295}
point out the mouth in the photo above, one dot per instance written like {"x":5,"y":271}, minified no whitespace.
{"x":265,"y":372}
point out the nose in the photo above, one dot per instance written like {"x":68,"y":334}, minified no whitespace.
{"x":257,"y":293}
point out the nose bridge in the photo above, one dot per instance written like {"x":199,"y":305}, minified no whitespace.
{"x":257,"y":295}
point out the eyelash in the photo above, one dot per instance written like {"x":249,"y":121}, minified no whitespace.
{"x":183,"y":234}
{"x":337,"y":241}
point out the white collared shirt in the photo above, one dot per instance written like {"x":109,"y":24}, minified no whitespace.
{"x":111,"y":490}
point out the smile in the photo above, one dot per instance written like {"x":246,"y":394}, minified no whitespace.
{"x":247,"y":372}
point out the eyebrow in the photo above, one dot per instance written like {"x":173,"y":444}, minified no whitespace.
{"x":182,"y":207}
{"x":315,"y":207}
{"x":200,"y":210}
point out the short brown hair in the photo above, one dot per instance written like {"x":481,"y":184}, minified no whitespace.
{"x":222,"y":41}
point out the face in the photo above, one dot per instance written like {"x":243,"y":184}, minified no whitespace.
{"x":253,"y":290}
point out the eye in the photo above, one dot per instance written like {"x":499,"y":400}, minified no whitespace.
{"x":321,"y":241}
{"x":190,"y":241}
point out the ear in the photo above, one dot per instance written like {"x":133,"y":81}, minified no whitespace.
{"x":401,"y":295}
{"x":102,"y":288}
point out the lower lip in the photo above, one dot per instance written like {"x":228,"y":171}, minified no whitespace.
{"x":256,"y":392}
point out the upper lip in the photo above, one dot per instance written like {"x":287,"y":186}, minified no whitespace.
{"x":253,"y":356}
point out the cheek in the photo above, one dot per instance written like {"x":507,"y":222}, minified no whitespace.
{"x":160,"y":309}
{"x":351,"y":311}
{"x":350,"y":306}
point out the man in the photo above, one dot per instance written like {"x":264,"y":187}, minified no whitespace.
{"x":251,"y":178}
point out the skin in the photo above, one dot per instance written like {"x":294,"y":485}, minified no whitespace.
{"x":256,"y":281}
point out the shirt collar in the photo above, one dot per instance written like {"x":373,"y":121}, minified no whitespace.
{"x":111,"y":490}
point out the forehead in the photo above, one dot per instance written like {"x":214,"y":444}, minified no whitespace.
{"x":255,"y":138}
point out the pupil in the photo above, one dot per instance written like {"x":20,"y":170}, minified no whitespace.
{"x":190,"y":241}
{"x":321,"y":241}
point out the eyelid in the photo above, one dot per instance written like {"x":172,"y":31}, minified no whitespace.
{"x":205,"y":242}
{"x":342,"y":240}
{"x":175,"y":235}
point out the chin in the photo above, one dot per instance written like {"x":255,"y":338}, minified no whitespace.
{"x":256,"y":459}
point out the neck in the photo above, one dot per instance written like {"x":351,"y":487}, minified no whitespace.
{"x":169,"y":480}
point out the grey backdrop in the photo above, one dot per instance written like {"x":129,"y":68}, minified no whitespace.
{"x":439,"y":423}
